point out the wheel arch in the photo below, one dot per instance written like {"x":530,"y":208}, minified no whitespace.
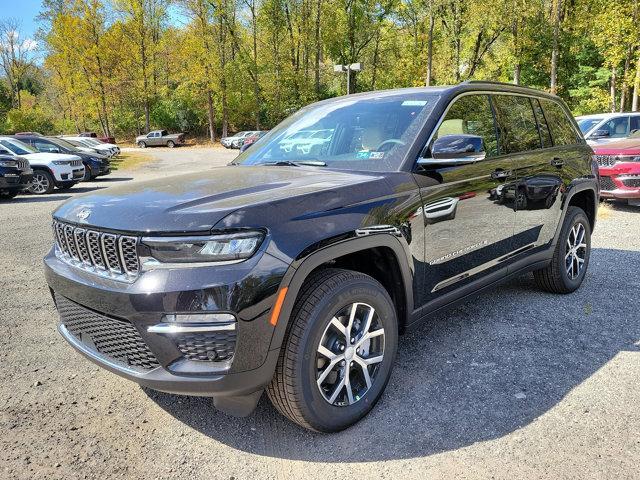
{"x":381,"y":250}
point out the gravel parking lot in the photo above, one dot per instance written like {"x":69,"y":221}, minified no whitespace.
{"x":514,"y":384}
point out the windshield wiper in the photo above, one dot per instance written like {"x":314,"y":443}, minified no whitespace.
{"x":289,"y":163}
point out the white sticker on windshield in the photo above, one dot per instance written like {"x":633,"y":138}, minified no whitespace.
{"x":376,"y":155}
{"x":414,"y":103}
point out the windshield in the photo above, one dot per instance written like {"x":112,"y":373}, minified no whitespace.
{"x":372,"y":133}
{"x":64,"y":144}
{"x":587,"y":124}
{"x":17,"y":147}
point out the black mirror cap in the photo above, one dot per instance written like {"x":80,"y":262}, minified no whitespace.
{"x":455,"y":146}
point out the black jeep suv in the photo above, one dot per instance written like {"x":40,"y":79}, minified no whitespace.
{"x":295,"y":269}
{"x":15,"y":176}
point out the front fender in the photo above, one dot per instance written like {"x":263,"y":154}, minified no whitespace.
{"x":299,"y":270}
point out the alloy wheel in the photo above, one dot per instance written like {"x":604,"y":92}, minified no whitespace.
{"x":349,"y":354}
{"x":39,"y":184}
{"x":576,"y":251}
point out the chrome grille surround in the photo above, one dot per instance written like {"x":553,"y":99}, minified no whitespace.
{"x":105,"y":254}
{"x":606,"y":160}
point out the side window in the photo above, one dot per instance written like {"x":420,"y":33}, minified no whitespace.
{"x":561,"y":128}
{"x":517,"y":127}
{"x":472,"y":115}
{"x":617,"y":127}
{"x":635,"y":124}
{"x":45,"y":146}
{"x":545,"y":135}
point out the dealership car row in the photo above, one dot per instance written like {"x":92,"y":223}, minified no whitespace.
{"x":37,"y":164}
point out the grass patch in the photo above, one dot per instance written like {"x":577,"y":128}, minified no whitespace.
{"x":130,"y":161}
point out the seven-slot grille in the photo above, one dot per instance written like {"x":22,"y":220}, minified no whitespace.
{"x":97,"y":251}
{"x":116,"y":339}
{"x":75,"y":163}
{"x":23,"y":164}
{"x":607,"y":184}
{"x":606,"y":160}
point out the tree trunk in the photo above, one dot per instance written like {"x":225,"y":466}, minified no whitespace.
{"x":625,"y":87}
{"x":211,"y":116}
{"x":318,"y":45}
{"x":554,"y":50}
{"x":517,"y":69}
{"x":636,"y":87}
{"x":432,"y":22}
{"x":612,"y":90}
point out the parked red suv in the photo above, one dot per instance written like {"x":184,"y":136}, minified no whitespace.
{"x":619,"y":164}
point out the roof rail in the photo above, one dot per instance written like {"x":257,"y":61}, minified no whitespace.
{"x":506,"y":84}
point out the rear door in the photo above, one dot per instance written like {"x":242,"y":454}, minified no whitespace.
{"x":534,"y":194}
{"x":467,"y":232}
{"x":543,"y":174}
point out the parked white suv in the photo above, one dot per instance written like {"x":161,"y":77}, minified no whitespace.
{"x":108,"y":149}
{"x":608,"y":127}
{"x":50,"y":170}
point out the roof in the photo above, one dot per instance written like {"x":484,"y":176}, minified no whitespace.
{"x":607,"y":115}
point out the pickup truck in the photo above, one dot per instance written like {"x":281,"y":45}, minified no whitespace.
{"x":160,"y":138}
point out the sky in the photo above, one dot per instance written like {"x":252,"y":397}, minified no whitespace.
{"x":23,"y":10}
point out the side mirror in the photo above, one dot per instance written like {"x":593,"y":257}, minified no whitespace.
{"x":600,"y":134}
{"x":451,"y":150}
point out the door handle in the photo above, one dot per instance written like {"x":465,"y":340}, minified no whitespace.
{"x":557,"y":162}
{"x":500,"y":174}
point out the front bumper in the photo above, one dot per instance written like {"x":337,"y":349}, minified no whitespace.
{"x":621,"y":181}
{"x":245,"y":289}
{"x":15,"y":181}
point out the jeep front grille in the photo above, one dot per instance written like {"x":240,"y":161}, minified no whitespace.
{"x":75,"y":163}
{"x":606,"y":160}
{"x":607,"y":184}
{"x":99,"y":252}
{"x":117,"y":340}
{"x":23,"y":164}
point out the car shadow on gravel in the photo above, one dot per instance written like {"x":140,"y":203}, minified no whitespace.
{"x":475,"y":373}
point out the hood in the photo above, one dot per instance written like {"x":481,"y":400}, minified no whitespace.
{"x":628,"y":146}
{"x":46,"y":157}
{"x":87,"y":155}
{"x":196,"y":202}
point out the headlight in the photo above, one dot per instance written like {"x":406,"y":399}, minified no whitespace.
{"x":61,"y":162}
{"x":197,"y":249}
{"x":8,"y":163}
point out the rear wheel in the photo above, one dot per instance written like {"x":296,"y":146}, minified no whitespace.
{"x":171,"y":144}
{"x":42,"y":183}
{"x":570,"y":260}
{"x":339,"y":351}
{"x":142,"y":144}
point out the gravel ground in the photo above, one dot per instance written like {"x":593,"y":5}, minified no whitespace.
{"x":514,"y":384}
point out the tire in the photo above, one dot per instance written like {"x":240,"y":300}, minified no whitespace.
{"x":171,"y":144}
{"x":558,"y":277}
{"x":8,"y":195}
{"x":294,"y":390}
{"x":42,"y":183}
{"x":87,"y":174}
{"x":142,"y":144}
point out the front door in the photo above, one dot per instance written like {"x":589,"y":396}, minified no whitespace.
{"x":468,"y":228}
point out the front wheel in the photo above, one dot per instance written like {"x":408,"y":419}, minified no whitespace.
{"x":570,"y":259}
{"x":338,"y":353}
{"x":41,"y":183}
{"x":142,"y":144}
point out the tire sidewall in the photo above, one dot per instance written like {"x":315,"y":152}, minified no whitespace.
{"x":49,"y":178}
{"x":576,"y":216}
{"x":142,"y":144}
{"x":335,"y":418}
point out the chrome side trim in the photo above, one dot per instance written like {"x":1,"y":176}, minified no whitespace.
{"x":92,"y":354}
{"x":172,"y":328}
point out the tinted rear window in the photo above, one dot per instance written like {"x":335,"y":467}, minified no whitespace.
{"x":560,"y":125}
{"x":517,"y":128}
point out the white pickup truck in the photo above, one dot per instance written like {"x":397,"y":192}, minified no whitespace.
{"x":50,"y":170}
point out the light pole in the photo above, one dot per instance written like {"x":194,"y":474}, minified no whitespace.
{"x":352,"y":67}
